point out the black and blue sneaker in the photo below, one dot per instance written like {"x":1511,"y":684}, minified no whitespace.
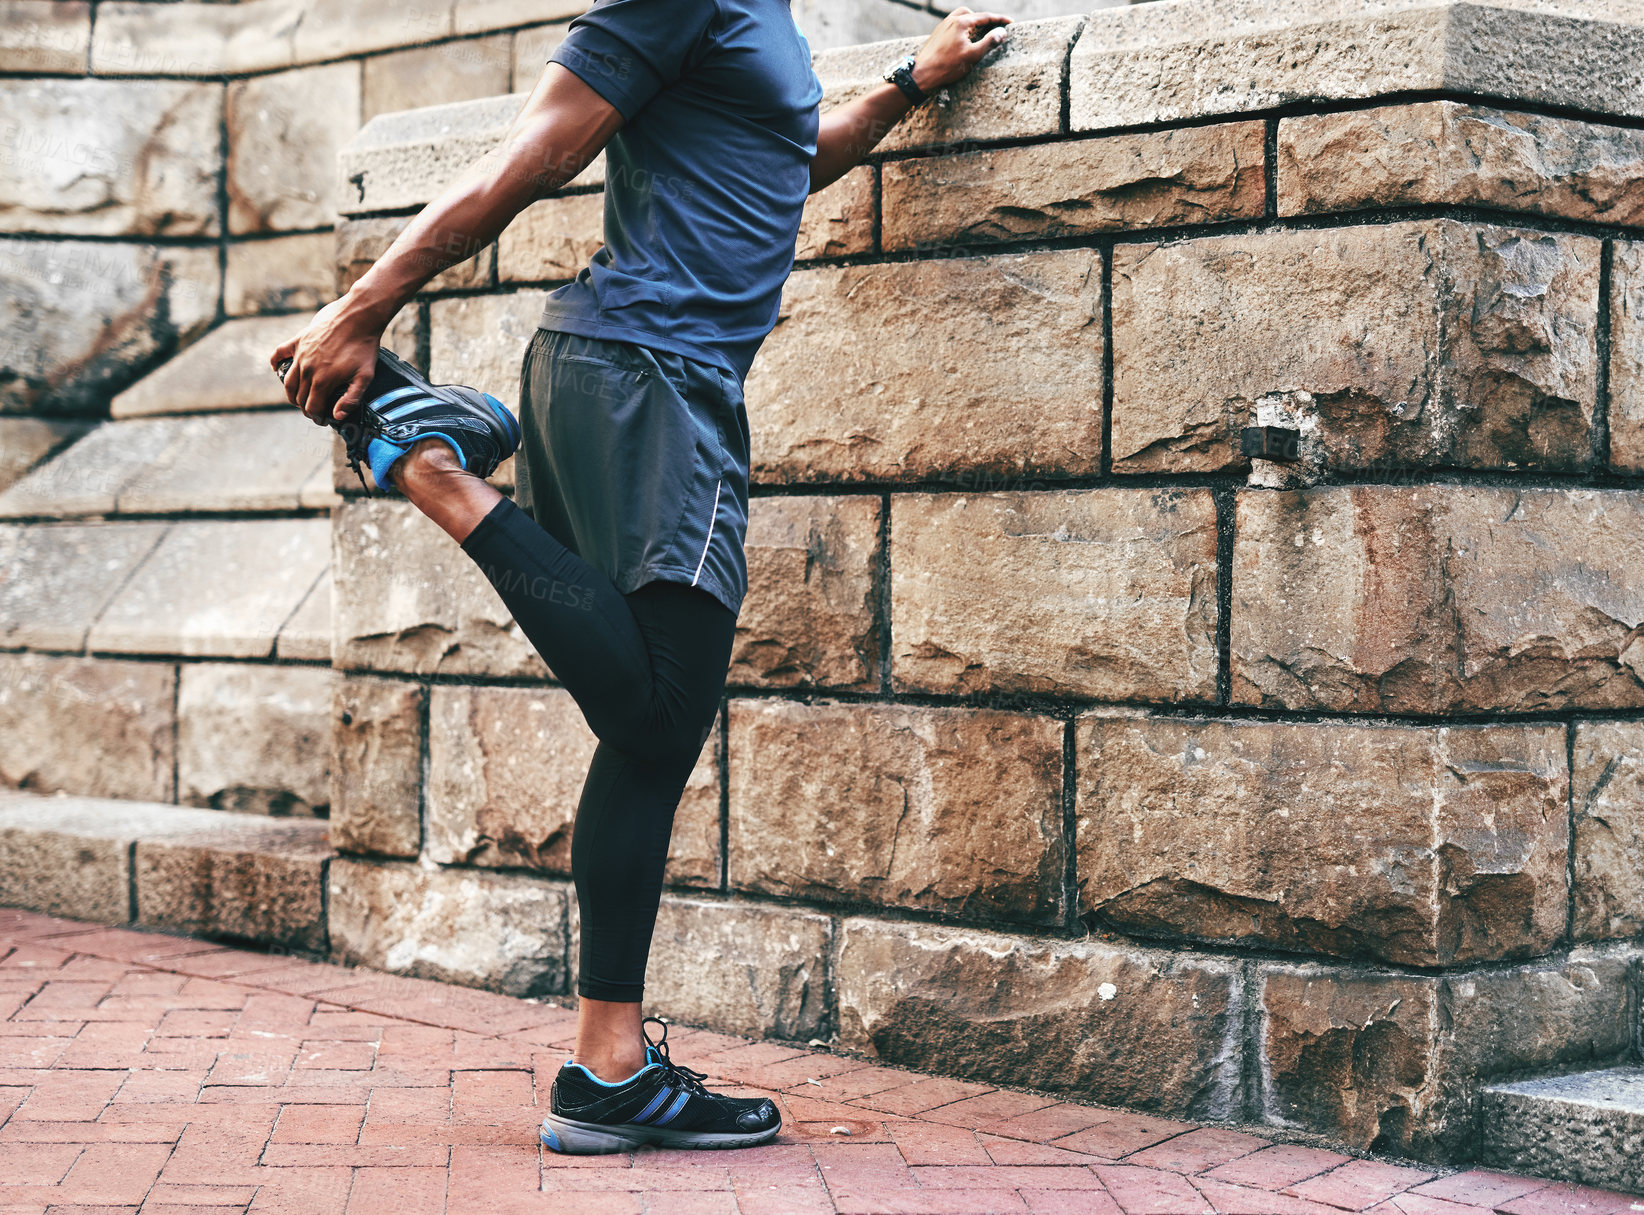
{"x":662,"y":1104}
{"x":401,"y":408}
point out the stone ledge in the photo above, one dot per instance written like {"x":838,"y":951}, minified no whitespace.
{"x":1587,"y":1127}
{"x":208,"y":872}
{"x":226,"y":369}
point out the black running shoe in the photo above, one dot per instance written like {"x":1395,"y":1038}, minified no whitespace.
{"x":401,"y":408}
{"x":661,"y":1104}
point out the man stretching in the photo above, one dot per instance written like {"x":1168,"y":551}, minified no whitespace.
{"x":621,"y":558}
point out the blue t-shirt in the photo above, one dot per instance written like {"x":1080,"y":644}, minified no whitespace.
{"x":705,"y":180}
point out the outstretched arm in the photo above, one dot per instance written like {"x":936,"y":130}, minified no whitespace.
{"x":562,"y":127}
{"x":849,"y":132}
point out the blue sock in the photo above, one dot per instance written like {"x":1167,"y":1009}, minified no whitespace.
{"x":382,"y":456}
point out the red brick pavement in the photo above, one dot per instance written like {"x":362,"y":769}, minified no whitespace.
{"x":178,"y":1077}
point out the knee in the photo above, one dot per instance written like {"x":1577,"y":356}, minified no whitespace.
{"x":663,"y":743}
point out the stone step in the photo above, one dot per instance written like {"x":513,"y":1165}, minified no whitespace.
{"x":208,"y":872}
{"x":1587,"y":1127}
{"x":225,"y":369}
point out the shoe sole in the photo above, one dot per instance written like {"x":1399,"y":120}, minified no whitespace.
{"x":572,"y":1138}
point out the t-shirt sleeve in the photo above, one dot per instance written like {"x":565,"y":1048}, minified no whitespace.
{"x":627,"y":51}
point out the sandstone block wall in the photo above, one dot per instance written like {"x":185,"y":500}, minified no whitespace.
{"x":1066,"y":743}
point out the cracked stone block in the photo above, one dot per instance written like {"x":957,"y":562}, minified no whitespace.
{"x":1427,"y":343}
{"x":506,"y":768}
{"x":93,"y":726}
{"x":282,"y":274}
{"x":838,"y":219}
{"x":254,"y":739}
{"x":329,"y":31}
{"x":1108,"y":1023}
{"x":1627,"y":357}
{"x":38,"y":36}
{"x":1121,"y":182}
{"x":376,"y":765}
{"x":226,"y":369}
{"x":499,"y":931}
{"x":438,"y":75}
{"x":240,"y":876}
{"x":1428,"y":599}
{"x":552,"y":240}
{"x":86,"y":477}
{"x":28,"y":442}
{"x":138,"y":38}
{"x":284,"y":133}
{"x":218,"y":588}
{"x":409,"y":599}
{"x":402,"y":160}
{"x":1411,"y":845}
{"x":1108,"y":593}
{"x":1151,"y":63}
{"x":741,"y":969}
{"x":981,"y":367}
{"x":1608,"y":779}
{"x":811,"y":617}
{"x":532,"y":47}
{"x":110,"y":157}
{"x":59,"y":578}
{"x":1014,"y":93}
{"x":481,"y":341}
{"x":359,"y":243}
{"x":306,"y":636}
{"x":254,"y":461}
{"x":1440,"y":152}
{"x":950,"y":810}
{"x":80,"y":320}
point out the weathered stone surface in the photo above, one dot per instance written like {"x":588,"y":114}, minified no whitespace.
{"x":110,"y":158}
{"x":1163,"y":63}
{"x":1423,"y":343}
{"x":531,"y":50}
{"x":1449,"y":152}
{"x":1607,"y":776}
{"x":1413,"y":845}
{"x":838,"y":219}
{"x":437,"y":75}
{"x":226,"y":369}
{"x":79,"y":320}
{"x":306,"y":636}
{"x":139,"y":38}
{"x":281,"y":274}
{"x":402,"y":160}
{"x":1107,"y":592}
{"x":1015,"y":92}
{"x":1443,"y":598}
{"x":480,"y":340}
{"x":328,"y":31}
{"x":84,"y":478}
{"x":741,"y":969}
{"x":1587,"y":1127}
{"x":376,"y":765}
{"x":811,"y":618}
{"x":506,"y":768}
{"x":254,"y":739}
{"x":478,"y":16}
{"x":284,"y":133}
{"x":492,"y":930}
{"x":1627,"y":357}
{"x":552,"y":240}
{"x":44,"y":35}
{"x":91,"y":726}
{"x":26,"y":442}
{"x":408,"y":599}
{"x":58,"y":579}
{"x":240,"y":876}
{"x":1392,"y":1063}
{"x":229,"y":461}
{"x":359,"y":243}
{"x":834,"y":23}
{"x":1113,"y":1025}
{"x":952,"y":810}
{"x":930,"y":368}
{"x":1152,"y":180}
{"x":221,"y":588}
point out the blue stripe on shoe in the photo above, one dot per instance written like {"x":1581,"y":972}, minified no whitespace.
{"x":656,"y":1104}
{"x":501,"y":411}
{"x":673,"y":1110}
{"x":388,"y":398}
{"x":407,"y":408}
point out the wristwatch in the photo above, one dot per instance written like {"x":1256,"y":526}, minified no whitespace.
{"x":900,"y":74}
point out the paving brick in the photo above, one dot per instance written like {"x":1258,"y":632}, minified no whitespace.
{"x":1359,"y":1183}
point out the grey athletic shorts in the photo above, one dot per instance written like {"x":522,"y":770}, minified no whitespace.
{"x":637,"y":461}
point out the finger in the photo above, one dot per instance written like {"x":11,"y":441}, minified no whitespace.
{"x":350,"y":400}
{"x":292,"y":381}
{"x":961,"y":11}
{"x":305,"y":383}
{"x":320,"y":395}
{"x":282,"y":352}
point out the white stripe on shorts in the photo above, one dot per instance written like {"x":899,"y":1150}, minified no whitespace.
{"x":712,"y":519}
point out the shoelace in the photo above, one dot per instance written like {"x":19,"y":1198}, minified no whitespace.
{"x":686,"y":1078}
{"x":356,"y":438}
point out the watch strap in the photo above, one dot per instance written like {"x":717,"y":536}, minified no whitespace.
{"x":902,"y":77}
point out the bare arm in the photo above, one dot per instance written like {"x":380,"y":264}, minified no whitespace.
{"x":562,"y":126}
{"x":849,"y":132}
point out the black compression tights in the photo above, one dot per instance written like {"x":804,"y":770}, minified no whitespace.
{"x":647,"y":670}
